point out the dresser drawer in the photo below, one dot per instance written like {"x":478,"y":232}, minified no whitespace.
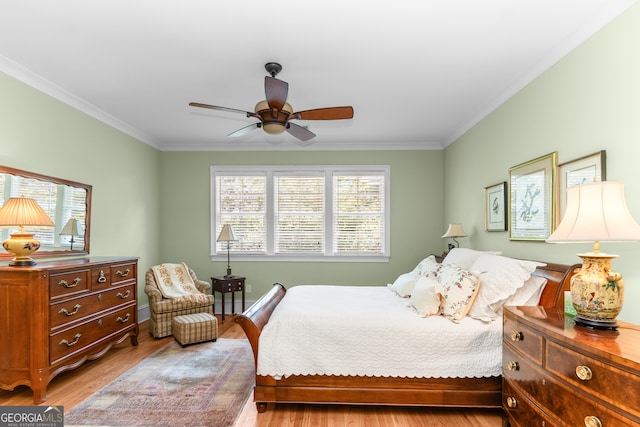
{"x":122,"y":272}
{"x":101,"y":278}
{"x":524,"y":339}
{"x":66,"y":343}
{"x":520,"y":410}
{"x":570,"y":407}
{"x":68,"y":283}
{"x":74,"y":309}
{"x":607,"y":382}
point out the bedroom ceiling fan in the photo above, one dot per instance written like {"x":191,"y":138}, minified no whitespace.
{"x":275,"y":113}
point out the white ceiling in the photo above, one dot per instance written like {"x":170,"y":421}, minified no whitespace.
{"x":418,"y":73}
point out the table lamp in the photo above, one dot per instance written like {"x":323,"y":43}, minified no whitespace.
{"x":71,"y":228}
{"x":227,"y":235}
{"x":454,"y":230}
{"x":596,"y":212}
{"x":22,"y":212}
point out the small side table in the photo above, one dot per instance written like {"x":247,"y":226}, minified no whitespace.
{"x":231,"y":284}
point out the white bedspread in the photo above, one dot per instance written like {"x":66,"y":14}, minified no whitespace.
{"x":369,"y":331}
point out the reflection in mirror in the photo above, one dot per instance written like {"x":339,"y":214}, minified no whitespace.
{"x":67,"y":203}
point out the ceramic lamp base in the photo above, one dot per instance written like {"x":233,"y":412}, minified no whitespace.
{"x":597,"y":293}
{"x":22,"y":245}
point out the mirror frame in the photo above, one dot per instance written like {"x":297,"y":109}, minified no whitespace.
{"x":42,"y":253}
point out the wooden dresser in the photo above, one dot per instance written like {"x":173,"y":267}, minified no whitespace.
{"x":57,"y":314}
{"x":558,"y":374}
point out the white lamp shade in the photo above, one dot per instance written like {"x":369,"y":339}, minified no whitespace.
{"x":455,"y":230}
{"x":596,"y":212}
{"x":227,"y":234}
{"x":71,"y":228}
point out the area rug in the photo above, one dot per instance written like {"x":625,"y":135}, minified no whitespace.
{"x":204,"y":384}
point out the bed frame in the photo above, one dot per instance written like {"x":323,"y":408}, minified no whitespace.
{"x":326,"y":389}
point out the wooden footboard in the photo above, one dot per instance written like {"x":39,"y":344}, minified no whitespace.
{"x":441,"y":392}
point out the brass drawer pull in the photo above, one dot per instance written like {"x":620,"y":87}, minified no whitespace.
{"x":512,"y":402}
{"x":66,"y":284}
{"x":101,"y":277}
{"x":74,"y":342}
{"x":126,"y":294}
{"x":125,"y":274}
{"x":512,"y":365}
{"x":584,"y":373}
{"x":592,"y":421}
{"x":517,"y":336}
{"x":70,"y":313}
{"x":126,"y":318}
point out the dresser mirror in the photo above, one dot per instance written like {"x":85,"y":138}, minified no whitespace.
{"x":67,"y":203}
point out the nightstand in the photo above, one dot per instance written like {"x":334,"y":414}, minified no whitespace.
{"x":231,"y":284}
{"x":558,"y":374}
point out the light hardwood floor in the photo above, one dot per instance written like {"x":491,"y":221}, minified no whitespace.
{"x":70,"y":388}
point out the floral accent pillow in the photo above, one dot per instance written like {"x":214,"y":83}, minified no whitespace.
{"x":428,"y":267}
{"x":458,"y":288}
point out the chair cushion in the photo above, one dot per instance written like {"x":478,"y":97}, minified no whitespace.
{"x":169,"y":306}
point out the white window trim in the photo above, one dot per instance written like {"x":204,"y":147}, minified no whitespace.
{"x":270,"y":170}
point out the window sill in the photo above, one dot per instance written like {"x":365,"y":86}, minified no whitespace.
{"x":301,"y":258}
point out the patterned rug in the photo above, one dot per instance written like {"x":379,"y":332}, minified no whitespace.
{"x":204,"y":384}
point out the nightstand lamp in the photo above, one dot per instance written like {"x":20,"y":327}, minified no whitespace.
{"x":454,"y":230}
{"x":227,"y":235}
{"x":22,"y":212}
{"x":71,"y":228}
{"x":596,"y":213}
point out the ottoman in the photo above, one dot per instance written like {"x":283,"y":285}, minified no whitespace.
{"x":194,"y":328}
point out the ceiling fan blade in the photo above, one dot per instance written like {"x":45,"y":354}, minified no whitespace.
{"x":276,"y":92}
{"x":332,"y":113}
{"x":215,"y":107}
{"x":302,"y":133}
{"x":245,"y":130}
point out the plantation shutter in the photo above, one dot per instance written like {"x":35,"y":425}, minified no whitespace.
{"x":299,"y":213}
{"x":241,"y":202}
{"x":359,"y":214}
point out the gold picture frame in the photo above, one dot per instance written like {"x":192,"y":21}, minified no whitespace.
{"x":585,"y":169}
{"x":495,"y":207}
{"x":532,"y":201}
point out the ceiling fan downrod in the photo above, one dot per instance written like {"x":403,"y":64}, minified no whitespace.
{"x":273,"y":68}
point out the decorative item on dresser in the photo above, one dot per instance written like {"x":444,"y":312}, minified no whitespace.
{"x":557,"y":373}
{"x":59,"y":314}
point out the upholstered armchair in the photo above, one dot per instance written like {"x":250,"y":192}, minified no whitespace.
{"x":163,"y":310}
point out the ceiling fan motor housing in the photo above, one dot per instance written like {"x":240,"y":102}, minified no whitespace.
{"x":274,"y":122}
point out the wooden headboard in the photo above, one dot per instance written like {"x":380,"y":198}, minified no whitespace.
{"x":558,"y":277}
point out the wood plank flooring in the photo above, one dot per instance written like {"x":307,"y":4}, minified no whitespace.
{"x":70,"y":388}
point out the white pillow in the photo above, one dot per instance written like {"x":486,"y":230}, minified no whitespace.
{"x":529,"y":294}
{"x":403,"y":285}
{"x":424,"y":299}
{"x":464,"y":257}
{"x":502,"y":276}
{"x":458,"y":288}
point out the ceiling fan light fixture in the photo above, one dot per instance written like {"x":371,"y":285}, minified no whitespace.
{"x":273,"y":128}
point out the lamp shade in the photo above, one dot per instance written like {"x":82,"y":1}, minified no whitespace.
{"x":21,"y":212}
{"x":596,"y":212}
{"x":455,"y":230}
{"x":227,"y":234}
{"x":71,"y":228}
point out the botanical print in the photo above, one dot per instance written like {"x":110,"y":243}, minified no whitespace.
{"x":530,"y":199}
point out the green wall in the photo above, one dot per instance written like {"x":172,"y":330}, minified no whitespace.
{"x":155,"y":205}
{"x":40,"y":134}
{"x":588,"y":101}
{"x":416,"y":216}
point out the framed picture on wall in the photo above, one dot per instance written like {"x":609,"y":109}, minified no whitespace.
{"x":586,"y":169}
{"x":531,"y":198}
{"x":495,"y":207}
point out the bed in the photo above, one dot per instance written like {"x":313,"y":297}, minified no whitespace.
{"x":359,"y":385}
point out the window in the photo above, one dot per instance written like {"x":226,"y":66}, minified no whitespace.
{"x":305,"y":213}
